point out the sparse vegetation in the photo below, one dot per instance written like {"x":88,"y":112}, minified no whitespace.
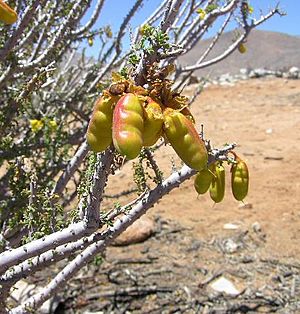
{"x":48,"y":88}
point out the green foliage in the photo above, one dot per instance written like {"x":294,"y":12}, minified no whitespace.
{"x":139,"y":176}
{"x":34,"y":142}
{"x":152,"y":40}
{"x":43,"y":216}
{"x":98,"y":260}
{"x":39,"y":123}
{"x":32,"y":207}
{"x":143,"y":171}
{"x":211,"y":7}
{"x":87,"y":179}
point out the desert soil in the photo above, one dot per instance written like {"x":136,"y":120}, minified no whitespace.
{"x":172,"y":272}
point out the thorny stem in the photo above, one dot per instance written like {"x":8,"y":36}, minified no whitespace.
{"x":91,"y":21}
{"x":28,"y":14}
{"x":154,"y":166}
{"x":232,"y":47}
{"x":30,"y":86}
{"x":207,"y":51}
{"x":120,"y":225}
{"x":90,"y":220}
{"x":72,"y":166}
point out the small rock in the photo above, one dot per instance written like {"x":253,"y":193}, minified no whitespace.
{"x":293,"y":73}
{"x":227,"y":84}
{"x":243,"y":77}
{"x":226,"y":80}
{"x":244,"y":71}
{"x":252,"y":74}
{"x":256,"y":227}
{"x":245,"y":206}
{"x":269,"y":131}
{"x":225,"y":77}
{"x":286,"y":75}
{"x":230,"y":226}
{"x":247,"y":259}
{"x":257,"y":73}
{"x":138,"y":232}
{"x":230,"y":246}
{"x":224,"y":285}
{"x":195,"y":246}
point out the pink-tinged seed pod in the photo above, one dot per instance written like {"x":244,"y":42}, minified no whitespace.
{"x":99,"y":132}
{"x":128,"y":126}
{"x":185,"y":140}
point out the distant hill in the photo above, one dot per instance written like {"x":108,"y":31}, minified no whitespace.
{"x":265,"y":49}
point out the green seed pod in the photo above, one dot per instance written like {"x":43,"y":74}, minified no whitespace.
{"x":217,"y":186}
{"x":239,"y":179}
{"x":7,"y":14}
{"x":99,"y":132}
{"x":202,"y":181}
{"x":153,"y":122}
{"x":128,"y":126}
{"x":185,"y":140}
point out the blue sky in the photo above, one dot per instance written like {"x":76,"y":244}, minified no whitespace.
{"x":289,"y":24}
{"x":114,"y":12}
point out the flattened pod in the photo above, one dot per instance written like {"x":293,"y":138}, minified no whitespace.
{"x":185,"y":140}
{"x":153,"y":122}
{"x":202,"y":181}
{"x":128,"y":126}
{"x":239,"y":179}
{"x":99,"y":132}
{"x":217,"y":186}
{"x":7,"y":14}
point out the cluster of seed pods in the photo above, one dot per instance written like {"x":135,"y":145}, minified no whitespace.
{"x":132,"y":120}
{"x":212,"y":179}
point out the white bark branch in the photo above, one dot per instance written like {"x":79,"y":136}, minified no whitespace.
{"x":204,"y":55}
{"x":28,"y":14}
{"x":90,"y":214}
{"x":111,"y":233}
{"x":91,"y":21}
{"x":232,"y":47}
{"x":36,"y":247}
{"x":71,"y":168}
{"x":171,"y":15}
{"x":198,"y":27}
{"x":57,"y":37}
